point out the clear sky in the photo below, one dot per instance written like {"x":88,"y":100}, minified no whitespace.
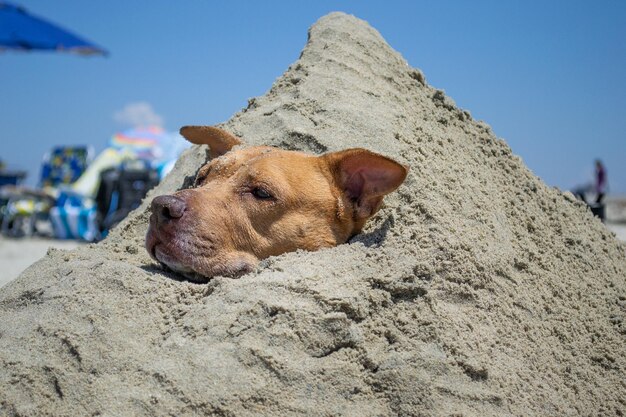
{"x":549,"y":76}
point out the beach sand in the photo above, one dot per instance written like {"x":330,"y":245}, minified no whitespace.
{"x":477,"y":290}
{"x":17,"y":254}
{"x":619,"y":229}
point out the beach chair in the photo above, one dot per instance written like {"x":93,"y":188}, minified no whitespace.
{"x":122,"y":189}
{"x":29,"y":207}
{"x":64,"y":164}
{"x":11,"y":177}
{"x":24,"y":208}
{"x":74,"y":215}
{"x":8,"y":178}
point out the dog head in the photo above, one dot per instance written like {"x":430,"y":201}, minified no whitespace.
{"x":252,"y":203}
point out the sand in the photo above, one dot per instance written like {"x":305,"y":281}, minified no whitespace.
{"x":18,"y":254}
{"x":619,"y":230}
{"x":476,"y":290}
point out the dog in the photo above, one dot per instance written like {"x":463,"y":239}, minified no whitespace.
{"x":251,"y":203}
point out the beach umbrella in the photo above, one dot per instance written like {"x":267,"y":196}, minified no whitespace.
{"x":151,"y":143}
{"x":143,"y":142}
{"x":19,"y":30}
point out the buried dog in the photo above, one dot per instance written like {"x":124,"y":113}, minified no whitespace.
{"x":252,"y":203}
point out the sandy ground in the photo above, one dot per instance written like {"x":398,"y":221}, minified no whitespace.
{"x":619,"y":229}
{"x":18,"y":254}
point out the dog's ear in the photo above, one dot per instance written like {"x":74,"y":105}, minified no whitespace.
{"x":365,"y":177}
{"x":219,"y":141}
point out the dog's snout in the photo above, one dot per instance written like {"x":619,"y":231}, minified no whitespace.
{"x":168,"y":207}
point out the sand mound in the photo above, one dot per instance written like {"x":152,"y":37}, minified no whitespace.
{"x":477,"y":290}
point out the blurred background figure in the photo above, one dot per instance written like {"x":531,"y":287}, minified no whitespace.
{"x":600,"y":182}
{"x":593,"y":193}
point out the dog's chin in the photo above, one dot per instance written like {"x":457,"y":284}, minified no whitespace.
{"x":173,"y":264}
{"x":189,"y":274}
{"x":237,"y":267}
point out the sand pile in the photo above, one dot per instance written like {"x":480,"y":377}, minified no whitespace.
{"x":476,"y":290}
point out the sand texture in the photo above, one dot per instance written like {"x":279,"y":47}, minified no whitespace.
{"x":477,"y":290}
{"x":18,"y":254}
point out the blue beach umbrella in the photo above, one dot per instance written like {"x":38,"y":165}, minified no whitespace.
{"x":20,"y":30}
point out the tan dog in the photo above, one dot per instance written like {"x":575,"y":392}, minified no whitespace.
{"x":255,"y":202}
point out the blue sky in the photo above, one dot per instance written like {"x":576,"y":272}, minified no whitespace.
{"x":548,"y":76}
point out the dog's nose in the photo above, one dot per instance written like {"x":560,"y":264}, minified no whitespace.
{"x":168,"y":207}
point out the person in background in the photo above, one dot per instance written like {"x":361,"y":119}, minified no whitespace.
{"x":600,"y":181}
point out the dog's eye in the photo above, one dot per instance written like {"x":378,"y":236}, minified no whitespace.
{"x":261,"y":193}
